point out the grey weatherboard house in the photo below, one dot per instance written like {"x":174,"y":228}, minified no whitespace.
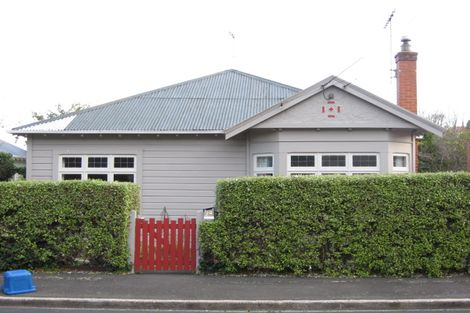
{"x":177,"y":141}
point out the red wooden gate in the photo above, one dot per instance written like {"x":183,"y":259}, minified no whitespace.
{"x":167,"y":245}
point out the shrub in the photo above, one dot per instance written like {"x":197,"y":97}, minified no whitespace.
{"x":7,"y":166}
{"x":392,"y":225}
{"x":65,"y":224}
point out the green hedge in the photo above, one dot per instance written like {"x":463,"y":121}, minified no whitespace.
{"x":392,"y":225}
{"x":66,"y":224}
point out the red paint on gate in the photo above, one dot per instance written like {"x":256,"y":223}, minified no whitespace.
{"x":165,"y":246}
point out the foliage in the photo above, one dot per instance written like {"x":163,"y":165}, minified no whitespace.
{"x":391,"y":225}
{"x":447,"y":153}
{"x":21,"y":170}
{"x":65,"y":224}
{"x":7,"y":166}
{"x":59,"y":110}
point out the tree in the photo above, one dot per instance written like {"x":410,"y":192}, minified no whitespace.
{"x":7,"y":166}
{"x":75,"y":107}
{"x":447,"y":153}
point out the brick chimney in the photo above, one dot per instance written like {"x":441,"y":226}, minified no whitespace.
{"x":406,"y":77}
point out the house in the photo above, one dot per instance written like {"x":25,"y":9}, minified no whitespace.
{"x":177,"y":141}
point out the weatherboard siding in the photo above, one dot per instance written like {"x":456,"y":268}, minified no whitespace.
{"x":347,"y":111}
{"x":178,"y":173}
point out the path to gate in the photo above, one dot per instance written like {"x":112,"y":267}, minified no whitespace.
{"x":168,"y":245}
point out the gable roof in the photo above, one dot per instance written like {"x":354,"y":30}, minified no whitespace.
{"x":209,"y":104}
{"x":328,"y":82}
{"x":15,"y":151}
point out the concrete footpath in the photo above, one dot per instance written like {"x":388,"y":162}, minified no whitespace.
{"x":207,"y":292}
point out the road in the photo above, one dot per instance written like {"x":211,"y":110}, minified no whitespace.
{"x":57,"y":310}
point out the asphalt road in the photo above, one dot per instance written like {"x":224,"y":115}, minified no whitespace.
{"x":57,"y":310}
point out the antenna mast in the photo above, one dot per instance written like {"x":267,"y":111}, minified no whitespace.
{"x":389,"y":25}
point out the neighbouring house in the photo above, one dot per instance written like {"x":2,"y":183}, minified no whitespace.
{"x":18,"y":154}
{"x":177,"y":141}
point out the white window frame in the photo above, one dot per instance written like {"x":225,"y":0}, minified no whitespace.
{"x":301,"y":169}
{"x":318,"y":169}
{"x":401,"y":169}
{"x":262,"y":171}
{"x":365,"y":169}
{"x":84,"y":170}
{"x":334,"y":168}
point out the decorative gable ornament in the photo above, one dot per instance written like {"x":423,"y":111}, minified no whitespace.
{"x":331,"y":109}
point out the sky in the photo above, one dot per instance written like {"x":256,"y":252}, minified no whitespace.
{"x":95,"y":51}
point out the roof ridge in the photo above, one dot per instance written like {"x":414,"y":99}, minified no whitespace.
{"x":264,"y":79}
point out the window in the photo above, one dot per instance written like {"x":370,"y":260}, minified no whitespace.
{"x":332,"y":163}
{"x":333,"y":160}
{"x":103,"y":177}
{"x":302,"y":161}
{"x":301,"y":174}
{"x":124,"y":178}
{"x":263,"y":165}
{"x":71,"y":176}
{"x":121,"y":162}
{"x":102,"y":167}
{"x":72,"y":162}
{"x":98,"y":162}
{"x":400,"y":163}
{"x":364,"y":160}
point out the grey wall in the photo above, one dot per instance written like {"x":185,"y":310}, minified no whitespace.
{"x":282,"y":142}
{"x":176,"y":172}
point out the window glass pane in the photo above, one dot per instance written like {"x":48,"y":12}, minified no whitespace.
{"x":124,"y":177}
{"x":124,"y":162}
{"x":302,"y":161}
{"x":264,"y":174}
{"x":98,"y":176}
{"x":72,"y":162}
{"x":98,"y":162}
{"x":364,"y":160}
{"x":71,"y":177}
{"x":325,"y":174}
{"x":399,"y":161}
{"x":302,"y":174}
{"x":264,"y":161}
{"x":333,"y":160}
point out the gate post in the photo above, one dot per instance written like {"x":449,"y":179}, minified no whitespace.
{"x":131,"y":239}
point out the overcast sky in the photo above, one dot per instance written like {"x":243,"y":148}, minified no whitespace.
{"x":92,"y":52}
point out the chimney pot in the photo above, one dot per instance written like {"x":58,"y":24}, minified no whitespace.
{"x":405,"y":46}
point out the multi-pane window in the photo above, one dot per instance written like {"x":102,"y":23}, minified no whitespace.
{"x":364,"y":160}
{"x":98,"y":162}
{"x":101,"y":167}
{"x":123,"y":162}
{"x":332,"y":163}
{"x":333,"y":160}
{"x":264,"y":165}
{"x":72,"y":162}
{"x":302,"y":161}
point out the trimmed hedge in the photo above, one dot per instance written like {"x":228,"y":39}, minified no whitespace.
{"x":391,"y":225}
{"x":66,"y":224}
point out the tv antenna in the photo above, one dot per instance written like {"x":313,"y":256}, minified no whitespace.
{"x":389,"y":25}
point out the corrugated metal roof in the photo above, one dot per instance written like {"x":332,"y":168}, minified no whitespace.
{"x":210,"y":103}
{"x":15,"y":151}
